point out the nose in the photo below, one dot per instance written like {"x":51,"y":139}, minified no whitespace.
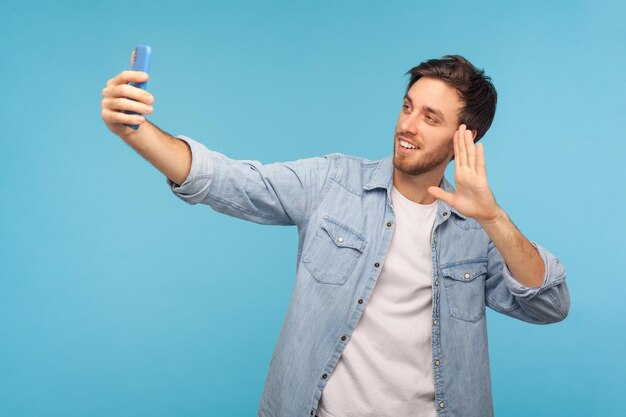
{"x":408,"y":123}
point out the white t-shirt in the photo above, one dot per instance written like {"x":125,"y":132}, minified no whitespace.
{"x":386,"y":368}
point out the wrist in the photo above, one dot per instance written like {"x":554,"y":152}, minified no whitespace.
{"x":499,"y":217}
{"x":136,"y":138}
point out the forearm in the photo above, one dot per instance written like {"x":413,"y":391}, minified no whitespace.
{"x":168,"y":154}
{"x":521,"y":257}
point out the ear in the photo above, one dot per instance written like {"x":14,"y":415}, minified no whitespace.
{"x":474,"y":133}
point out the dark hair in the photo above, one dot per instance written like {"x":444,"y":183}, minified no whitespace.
{"x":474,"y":88}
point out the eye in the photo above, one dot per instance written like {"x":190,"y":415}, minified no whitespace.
{"x":405,"y":106}
{"x":431,"y":118}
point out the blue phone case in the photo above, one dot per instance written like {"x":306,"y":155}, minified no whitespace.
{"x":141,"y":62}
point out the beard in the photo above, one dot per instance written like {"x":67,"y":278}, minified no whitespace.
{"x":420,"y":161}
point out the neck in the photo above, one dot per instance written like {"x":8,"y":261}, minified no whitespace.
{"x":415,"y":187}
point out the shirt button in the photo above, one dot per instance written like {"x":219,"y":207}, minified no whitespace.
{"x":325,"y":376}
{"x":434,"y":322}
{"x":340,"y":239}
{"x":437,"y":363}
{"x":445,"y":214}
{"x":388,"y":224}
{"x":376,"y":265}
{"x":360,"y":301}
{"x":437,"y":282}
{"x":343,"y":338}
{"x":441,"y":405}
{"x":311,"y":412}
{"x":466,"y":276}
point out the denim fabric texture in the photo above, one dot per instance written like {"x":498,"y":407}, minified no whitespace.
{"x":342,"y":208}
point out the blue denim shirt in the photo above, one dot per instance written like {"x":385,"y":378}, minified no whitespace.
{"x":343,"y":196}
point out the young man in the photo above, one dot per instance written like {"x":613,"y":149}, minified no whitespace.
{"x":395,"y":267}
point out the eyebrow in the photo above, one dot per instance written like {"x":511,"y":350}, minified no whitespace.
{"x":427,"y":108}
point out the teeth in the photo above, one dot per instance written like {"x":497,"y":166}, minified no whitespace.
{"x":407,"y":145}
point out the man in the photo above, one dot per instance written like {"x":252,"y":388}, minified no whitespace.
{"x":395,"y":267}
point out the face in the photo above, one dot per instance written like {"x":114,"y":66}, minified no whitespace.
{"x":428,"y":120}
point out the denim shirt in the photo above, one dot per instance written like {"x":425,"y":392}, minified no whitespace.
{"x":342,"y":208}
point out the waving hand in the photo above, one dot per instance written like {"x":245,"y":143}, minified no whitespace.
{"x":472,"y":196}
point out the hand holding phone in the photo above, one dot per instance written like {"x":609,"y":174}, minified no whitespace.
{"x":140,"y":61}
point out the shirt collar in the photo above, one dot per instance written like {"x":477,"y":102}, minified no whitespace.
{"x":382,"y":177}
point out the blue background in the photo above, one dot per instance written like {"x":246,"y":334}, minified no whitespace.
{"x":118,"y":299}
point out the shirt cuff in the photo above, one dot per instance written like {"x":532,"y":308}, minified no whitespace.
{"x":196,"y":185}
{"x":522,"y":291}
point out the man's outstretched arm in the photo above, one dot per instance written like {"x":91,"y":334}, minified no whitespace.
{"x":279,"y":193}
{"x":168,"y":154}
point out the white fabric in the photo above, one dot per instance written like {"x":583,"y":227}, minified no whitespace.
{"x":386,"y":368}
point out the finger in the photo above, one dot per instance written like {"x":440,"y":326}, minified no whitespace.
{"x":126,"y":104}
{"x":127,"y":76}
{"x":129,"y":91}
{"x":462,"y":148}
{"x":471,"y":151}
{"x":132,"y":58}
{"x":455,"y":143}
{"x":481,"y":168}
{"x":440,"y":194}
{"x":111,"y":116}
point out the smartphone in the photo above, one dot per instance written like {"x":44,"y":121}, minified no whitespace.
{"x":140,"y":62}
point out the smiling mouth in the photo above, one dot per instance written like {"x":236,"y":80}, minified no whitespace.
{"x":405,"y":144}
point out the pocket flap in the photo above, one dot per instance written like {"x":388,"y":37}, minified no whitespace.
{"x":343,"y":235}
{"x":465,"y":272}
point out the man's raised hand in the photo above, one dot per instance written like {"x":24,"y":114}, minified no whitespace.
{"x":472,"y":196}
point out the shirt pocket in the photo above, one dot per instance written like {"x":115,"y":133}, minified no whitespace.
{"x":334,"y":252}
{"x":465,"y":289}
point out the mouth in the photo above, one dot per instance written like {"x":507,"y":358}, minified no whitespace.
{"x":406,"y":145}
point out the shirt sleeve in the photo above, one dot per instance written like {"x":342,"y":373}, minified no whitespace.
{"x":281,"y":193}
{"x":548,"y":303}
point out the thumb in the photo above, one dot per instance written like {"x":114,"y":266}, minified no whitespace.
{"x":440,"y":194}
